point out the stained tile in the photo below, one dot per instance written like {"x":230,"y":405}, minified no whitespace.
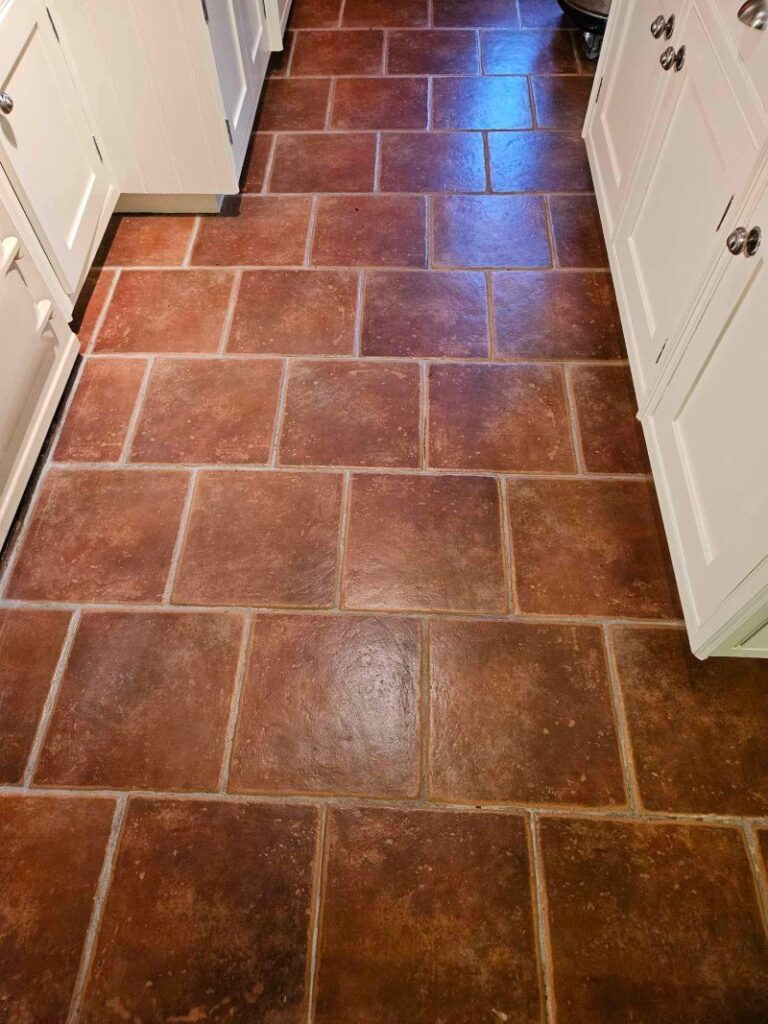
{"x":698,"y":728}
{"x":52,"y":851}
{"x":429,"y":542}
{"x":315,"y":13}
{"x":656,"y":922}
{"x":384,"y":231}
{"x":527,"y":52}
{"x":97,"y":420}
{"x":324,"y":163}
{"x":394,"y":878}
{"x":146,"y":240}
{"x":590,"y":547}
{"x":227,"y":939}
{"x":433,"y":162}
{"x":542,"y":14}
{"x":293,"y":104}
{"x":490,"y":231}
{"x":30,"y":646}
{"x":538,"y":162}
{"x":480,"y":103}
{"x":432,"y":52}
{"x":338,"y":53}
{"x":90,"y":304}
{"x":256,"y":162}
{"x":100,"y":535}
{"x":295,"y":312}
{"x":266,"y":230}
{"x":412,"y":313}
{"x":475,"y":13}
{"x":167,"y":311}
{"x":144,"y":702}
{"x":208,"y":410}
{"x":330,"y":704}
{"x":522,"y":713}
{"x":561,"y":101}
{"x":496,"y":417}
{"x":611,"y":436}
{"x":578,"y":234}
{"x":261,"y":539}
{"x":380,"y":103}
{"x":556,"y":316}
{"x":383,"y":13}
{"x":353,"y":413}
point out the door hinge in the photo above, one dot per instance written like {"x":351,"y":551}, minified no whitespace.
{"x":205,"y":10}
{"x":229,"y":131}
{"x":725,"y":214}
{"x":661,"y":352}
{"x":599,"y":88}
{"x":53,"y":24}
{"x":97,"y":148}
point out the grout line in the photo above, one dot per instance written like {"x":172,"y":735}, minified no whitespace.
{"x":229,"y":315}
{"x":234,"y":710}
{"x":346,"y":505}
{"x":178,"y":546}
{"x":330,"y":102}
{"x":507,"y":549}
{"x":391,"y":269}
{"x":425,"y":690}
{"x":357,"y":341}
{"x":490,"y":316}
{"x":623,"y":736}
{"x":755,"y":857}
{"x":318,"y":900}
{"x":314,"y":203}
{"x":385,"y":55}
{"x":187,"y":260}
{"x":459,"y":360}
{"x":573,"y":421}
{"x":271,"y":155}
{"x":104,"y":309}
{"x":541,"y":920}
{"x":424,"y":413}
{"x":277,"y":426}
{"x":377,"y":164}
{"x":487,"y":159}
{"x":430,"y":14}
{"x":430,"y":101}
{"x":519,"y":14}
{"x":133,"y":422}
{"x":341,"y":13}
{"x":549,"y":224}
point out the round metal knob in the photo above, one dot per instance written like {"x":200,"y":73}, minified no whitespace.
{"x":6,"y":103}
{"x":737,"y":241}
{"x":754,"y":238}
{"x":663,"y":27}
{"x":755,"y":14}
{"x":679,"y":58}
{"x":667,"y":59}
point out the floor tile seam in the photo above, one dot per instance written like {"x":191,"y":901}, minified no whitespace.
{"x":440,"y":193}
{"x":340,"y":132}
{"x":238,"y":687}
{"x":357,"y":338}
{"x":135,"y":417}
{"x":342,"y":540}
{"x":425,"y":707}
{"x":471,"y":26}
{"x":278,"y":421}
{"x":621,"y":724}
{"x":318,"y":905}
{"x":385,"y":54}
{"x":759,"y":868}
{"x":329,"y":105}
{"x":377,"y":165}
{"x":268,"y":167}
{"x":291,"y":51}
{"x":384,"y":268}
{"x":341,"y":14}
{"x":341,"y":357}
{"x":492,"y":357}
{"x":574,"y":424}
{"x":309,"y":241}
{"x":104,"y":311}
{"x":229,"y":314}
{"x":508,"y":551}
{"x":424,"y":414}
{"x":541,"y":925}
{"x":549,"y":225}
{"x":187,"y":258}
{"x":180,"y":539}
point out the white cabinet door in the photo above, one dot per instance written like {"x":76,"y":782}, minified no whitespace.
{"x":277,"y":18}
{"x":46,"y":145}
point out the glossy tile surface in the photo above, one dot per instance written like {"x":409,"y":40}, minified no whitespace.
{"x":440,"y":162}
{"x":293,"y":105}
{"x":384,"y":231}
{"x":380,"y":103}
{"x":490,"y":231}
{"x":323,"y":163}
{"x":374,"y":13}
{"x":518,"y":52}
{"x":432,"y":52}
{"x":488,"y":103}
{"x":338,"y":53}
{"x":577,"y":232}
{"x":267,"y":230}
{"x":100,"y":414}
{"x":532,"y":161}
{"x":606,"y":410}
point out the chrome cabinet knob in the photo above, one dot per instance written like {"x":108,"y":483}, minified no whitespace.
{"x":737,"y":241}
{"x":671,"y":59}
{"x":6,"y":103}
{"x":754,"y":13}
{"x":663,"y":27}
{"x":754,"y":238}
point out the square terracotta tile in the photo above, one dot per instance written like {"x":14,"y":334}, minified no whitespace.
{"x":522,"y":713}
{"x":261,"y":539}
{"x":376,"y":13}
{"x":433,"y":162}
{"x":330,"y":704}
{"x":590,"y":547}
{"x":538,"y":161}
{"x":527,"y":52}
{"x":228,"y":938}
{"x":550,"y":315}
{"x":144,"y":702}
{"x":208,"y":410}
{"x":167,"y":311}
{"x":354,"y":413}
{"x":382,"y":231}
{"x":561,"y":101}
{"x":433,"y":52}
{"x":319,"y":52}
{"x":481,"y":103}
{"x":416,"y":313}
{"x":146,"y":240}
{"x":97,"y":420}
{"x":256,"y":162}
{"x":611,"y":436}
{"x":430,"y":542}
{"x":380,"y":103}
{"x":475,"y":13}
{"x":501,"y":418}
{"x":490,"y":231}
{"x":293,"y":105}
{"x":269,"y":231}
{"x":401,"y":883}
{"x":324,"y":163}
{"x":100,"y":535}
{"x":52,"y":851}
{"x":656,"y":922}
{"x":295,"y":312}
{"x":30,"y":647}
{"x":542,"y":14}
{"x":90,"y":304}
{"x":697,"y":727}
{"x":315,"y":13}
{"x":578,"y":234}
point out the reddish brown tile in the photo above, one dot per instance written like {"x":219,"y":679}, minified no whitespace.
{"x":412,"y":313}
{"x":496,"y":417}
{"x":542,"y":14}
{"x":353,"y":413}
{"x":433,"y":162}
{"x":330,"y":704}
{"x":100,"y":535}
{"x":429,"y":542}
{"x":30,"y":646}
{"x":380,"y":103}
{"x":384,"y":231}
{"x":475,"y":13}
{"x":521,"y":713}
{"x":699,"y":729}
{"x":402,"y":882}
{"x":90,"y":304}
{"x":167,"y":311}
{"x":227,"y":937}
{"x":324,"y":163}
{"x":480,"y":103}
{"x":97,"y":420}
{"x":577,"y":231}
{"x":293,"y":105}
{"x":611,"y":436}
{"x":527,"y":52}
{"x":315,"y":13}
{"x":337,"y":53}
{"x":295,"y":312}
{"x":144,"y":702}
{"x":653,"y":922}
{"x":261,"y":539}
{"x":208,"y":410}
{"x":52,"y":854}
{"x":590,"y":547}
{"x":561,"y":101}
{"x":149,"y":241}
{"x":556,"y":316}
{"x":490,"y":231}
{"x":538,"y":162}
{"x":432,"y":52}
{"x":266,"y":230}
{"x":383,"y":13}
{"x":279,"y":60}
{"x":256,"y":162}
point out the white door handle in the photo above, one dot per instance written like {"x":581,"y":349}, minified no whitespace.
{"x":9,"y":251}
{"x":44,"y":314}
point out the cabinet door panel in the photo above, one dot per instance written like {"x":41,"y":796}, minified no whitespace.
{"x":277,"y":18}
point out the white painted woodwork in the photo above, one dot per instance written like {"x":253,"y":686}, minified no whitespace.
{"x":277,"y":12}
{"x":751,"y":46}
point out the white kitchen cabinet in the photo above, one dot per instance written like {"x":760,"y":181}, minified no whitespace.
{"x":277,"y":12}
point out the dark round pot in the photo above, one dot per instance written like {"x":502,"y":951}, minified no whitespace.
{"x":588,"y":15}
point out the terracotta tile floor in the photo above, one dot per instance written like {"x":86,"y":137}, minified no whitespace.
{"x":341,"y":671}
